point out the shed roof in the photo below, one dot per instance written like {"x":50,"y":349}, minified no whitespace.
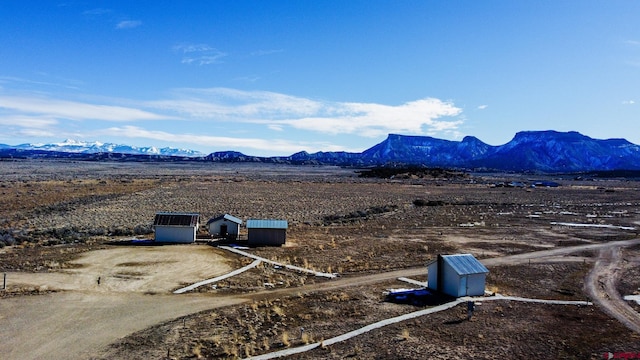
{"x":176,"y":219}
{"x":267,"y":224}
{"x":225,"y":217}
{"x":464,"y":264}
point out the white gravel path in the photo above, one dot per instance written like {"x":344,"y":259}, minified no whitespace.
{"x":290,"y":267}
{"x":397,"y":319}
{"x":216,"y":279}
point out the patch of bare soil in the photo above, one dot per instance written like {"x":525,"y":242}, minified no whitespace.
{"x":558,"y":281}
{"x":630,"y":277}
{"x":144,"y":269}
{"x":31,"y":257}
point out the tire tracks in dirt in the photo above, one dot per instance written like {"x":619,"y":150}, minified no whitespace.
{"x":601,"y":286}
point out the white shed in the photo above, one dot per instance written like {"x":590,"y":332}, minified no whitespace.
{"x":176,"y":227}
{"x":224,"y":226}
{"x":457,"y":275}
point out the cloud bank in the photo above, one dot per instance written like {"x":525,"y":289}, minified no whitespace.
{"x":278,"y":111}
{"x":257,"y":120}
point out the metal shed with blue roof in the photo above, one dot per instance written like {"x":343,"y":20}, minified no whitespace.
{"x":267,"y":232}
{"x":457,"y":275}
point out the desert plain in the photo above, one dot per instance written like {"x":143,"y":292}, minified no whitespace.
{"x":77,"y":287}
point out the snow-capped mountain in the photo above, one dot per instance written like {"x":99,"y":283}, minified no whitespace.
{"x":75,"y":146}
{"x":544,"y":151}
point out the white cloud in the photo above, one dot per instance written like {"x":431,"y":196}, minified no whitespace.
{"x":628,"y":102}
{"x":97,"y":11}
{"x":21,"y":126}
{"x":63,"y":109}
{"x":269,"y":145}
{"x":128,"y":24}
{"x":266,"y":52}
{"x":250,"y":79}
{"x":273,"y":109}
{"x":203,"y":60}
{"x":61,"y":82}
{"x":482,"y":107}
{"x":188,"y":48}
{"x":199,"y":54}
{"x":235,"y":105}
{"x":28,"y":121}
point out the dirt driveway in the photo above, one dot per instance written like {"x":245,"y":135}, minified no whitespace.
{"x":85,"y":316}
{"x":145,"y":269}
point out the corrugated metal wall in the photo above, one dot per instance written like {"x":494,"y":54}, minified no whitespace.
{"x":175,"y":234}
{"x":274,"y":237}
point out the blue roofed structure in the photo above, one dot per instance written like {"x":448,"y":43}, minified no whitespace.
{"x":465,"y":264}
{"x":267,"y":224}
{"x":267,"y":232}
{"x":457,"y":275}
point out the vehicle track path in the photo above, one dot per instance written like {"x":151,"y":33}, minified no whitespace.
{"x":601,"y":286}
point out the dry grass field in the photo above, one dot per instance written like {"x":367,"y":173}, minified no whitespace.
{"x":63,"y":224}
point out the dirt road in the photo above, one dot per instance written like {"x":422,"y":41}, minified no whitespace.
{"x":78,"y":324}
{"x":75,"y":325}
{"x":601,"y":287}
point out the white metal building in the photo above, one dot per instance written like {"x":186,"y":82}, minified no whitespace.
{"x":224,"y":226}
{"x":176,"y":227}
{"x":457,"y":275}
{"x":267,"y":232}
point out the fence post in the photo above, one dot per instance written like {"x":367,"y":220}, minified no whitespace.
{"x":4,"y":282}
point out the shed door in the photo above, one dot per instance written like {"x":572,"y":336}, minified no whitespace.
{"x":462,"y":290}
{"x":223,"y":230}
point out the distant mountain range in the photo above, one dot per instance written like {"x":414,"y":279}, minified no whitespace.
{"x":82,"y":147}
{"x":528,"y":151}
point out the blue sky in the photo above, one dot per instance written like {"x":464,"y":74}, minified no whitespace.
{"x":276,"y":77}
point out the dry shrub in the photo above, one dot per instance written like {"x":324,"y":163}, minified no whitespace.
{"x":253,"y":334}
{"x":285,"y":339}
{"x":277,"y":310}
{"x":216,"y":340}
{"x":307,"y":338}
{"x":338,"y":297}
{"x":248,"y":350}
{"x":254,"y":306}
{"x":230,"y":350}
{"x":197,"y":351}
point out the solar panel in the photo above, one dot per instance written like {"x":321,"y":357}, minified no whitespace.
{"x":176,"y":219}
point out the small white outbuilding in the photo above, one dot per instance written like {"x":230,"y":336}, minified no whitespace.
{"x":457,"y":275}
{"x":176,"y":227}
{"x":226,"y":226}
